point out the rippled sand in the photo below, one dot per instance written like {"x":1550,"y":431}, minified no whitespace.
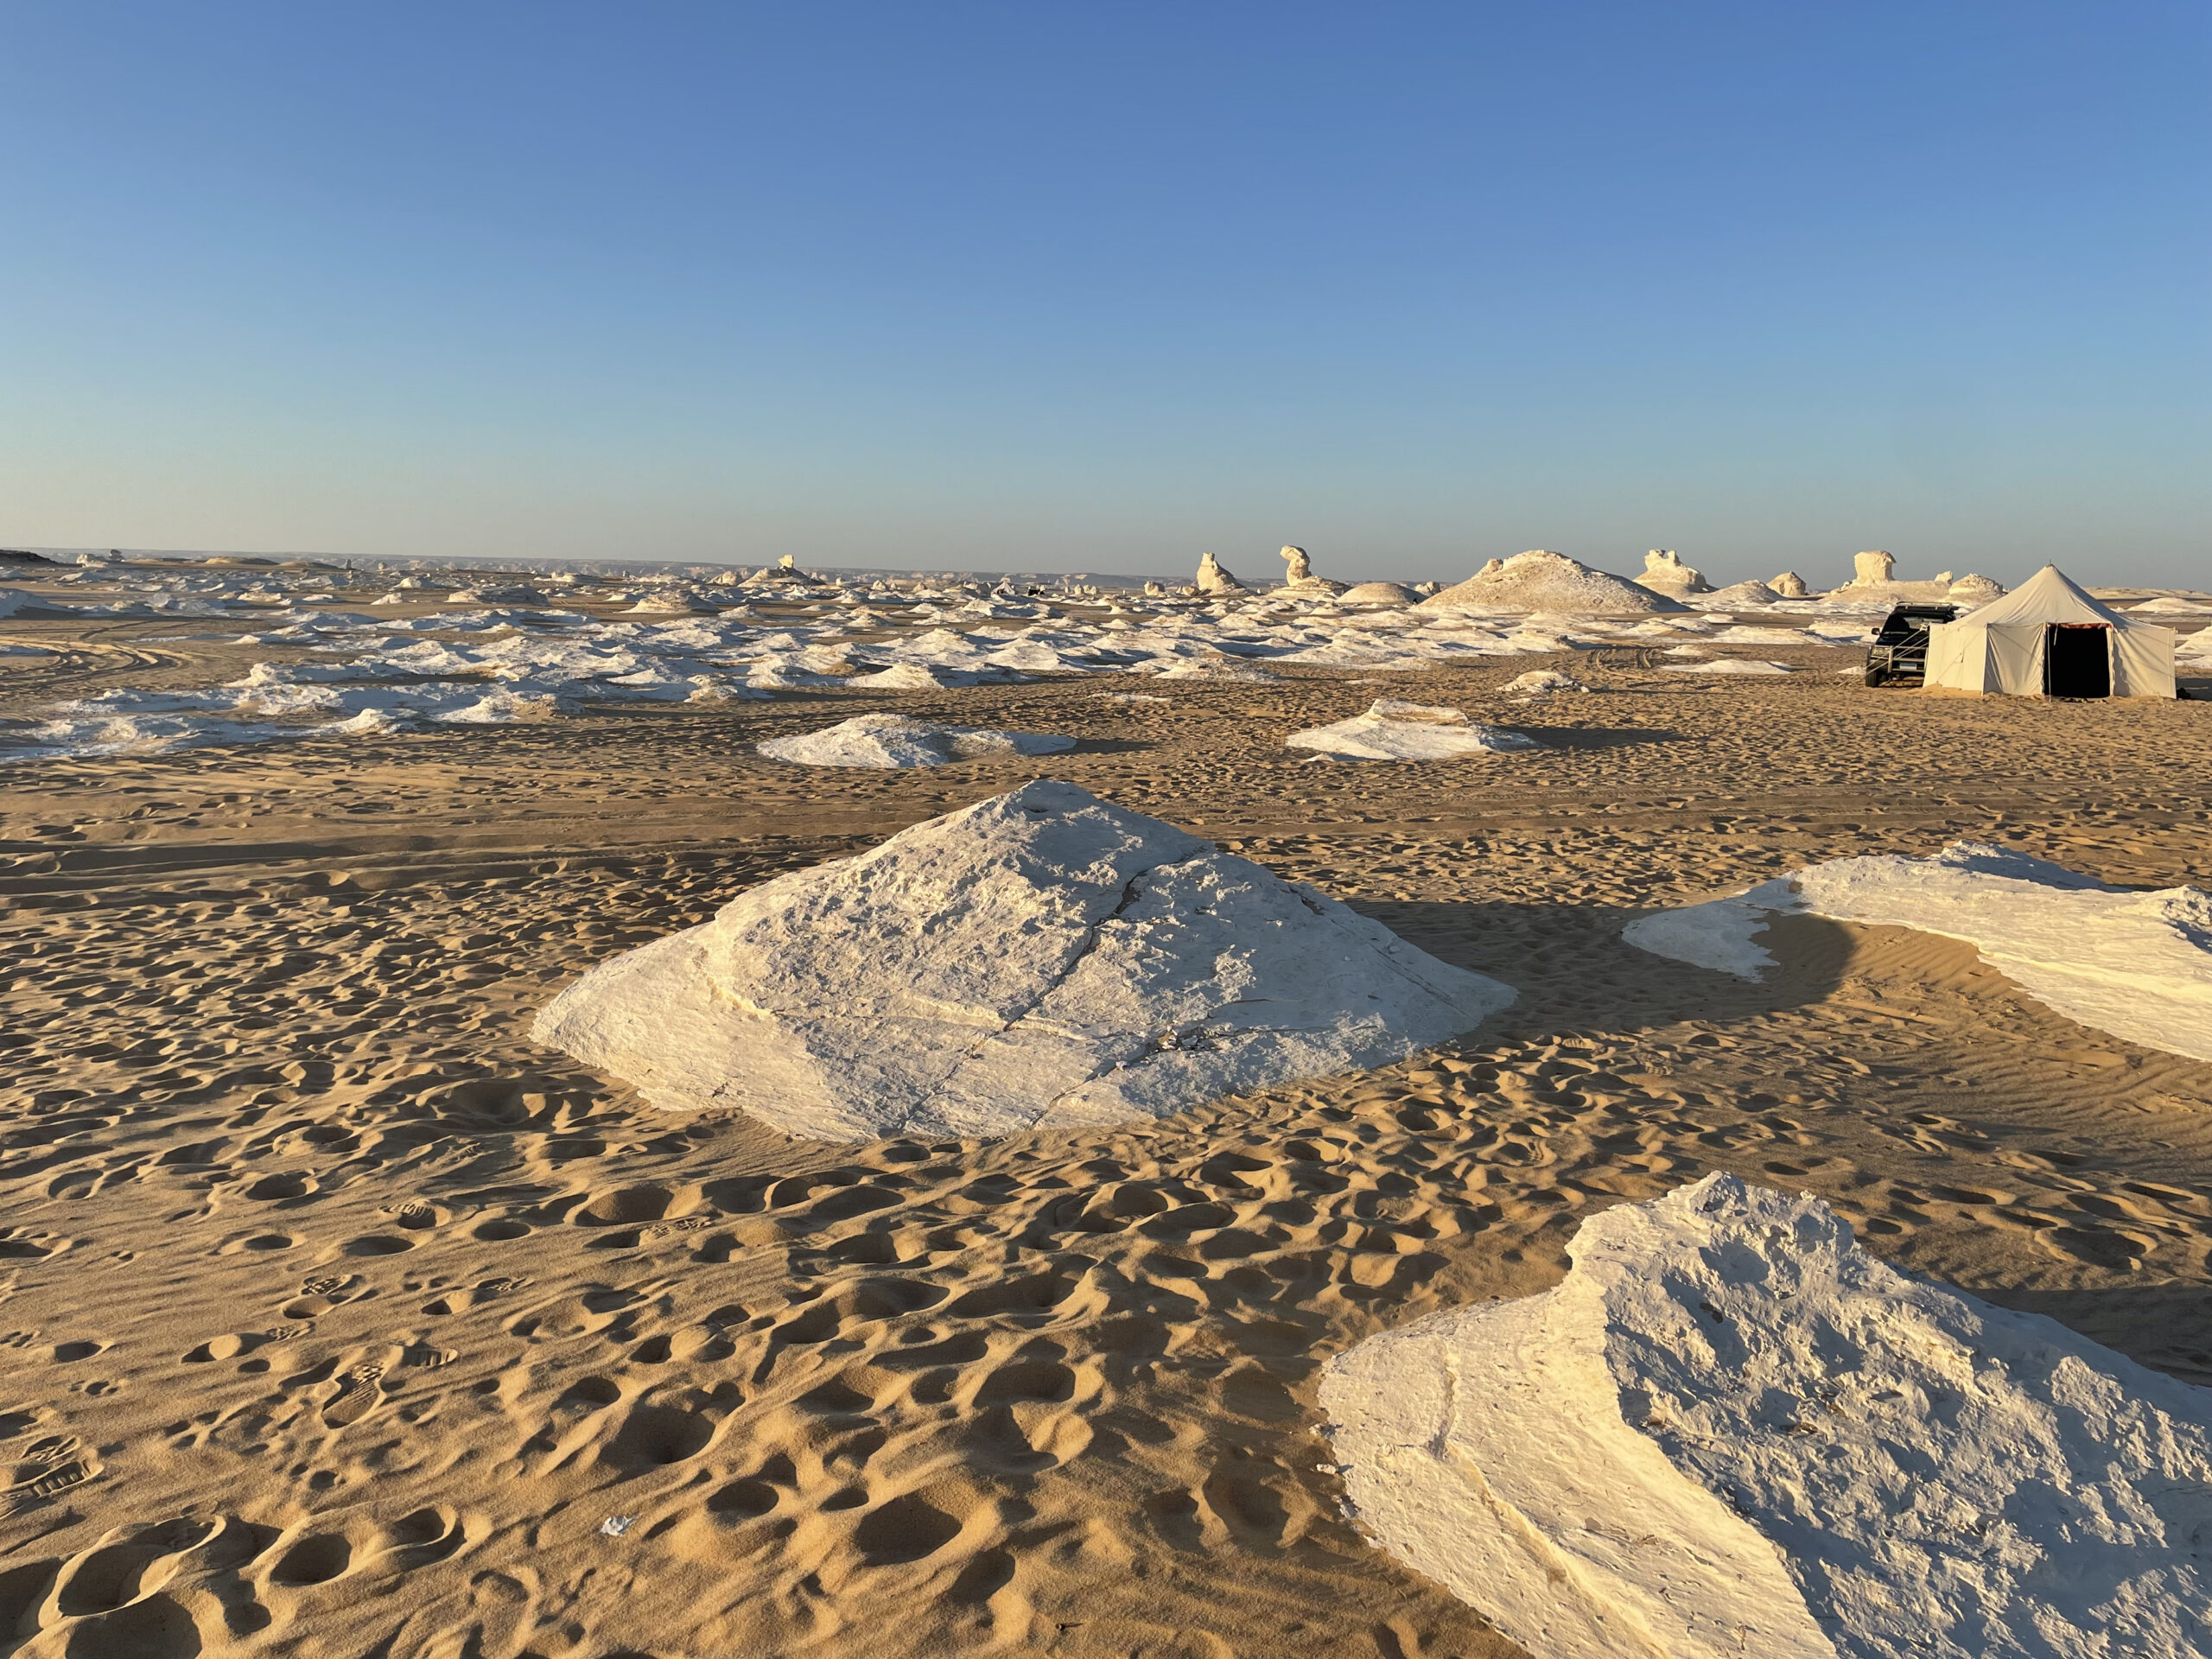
{"x":340,"y":1320}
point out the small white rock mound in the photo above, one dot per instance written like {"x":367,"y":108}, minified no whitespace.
{"x":1041,"y":959}
{"x":1790,"y":585}
{"x":2136,"y":964}
{"x":1971,"y":589}
{"x":891,"y":742}
{"x":913,"y":676}
{"x":1664,"y":572}
{"x":1377,"y":593}
{"x":1541,"y":683}
{"x":1543,"y":581}
{"x":1731,"y":1431}
{"x":1391,"y":730}
{"x":1231,"y":670}
{"x":1213,"y":579}
{"x":1740,"y":595}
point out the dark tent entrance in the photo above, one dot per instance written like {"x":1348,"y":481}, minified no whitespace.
{"x":2077,"y":660}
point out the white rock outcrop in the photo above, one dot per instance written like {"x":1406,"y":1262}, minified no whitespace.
{"x":1041,"y":959}
{"x":893,"y":742}
{"x":1542,"y":580}
{"x":1729,"y":1432}
{"x":1299,"y":577}
{"x":2136,"y":964}
{"x":1971,"y":589}
{"x":1391,"y":730}
{"x":1664,"y":572}
{"x":1874,"y":576}
{"x":1790,"y":585}
{"x":785,"y":570}
{"x":1212,"y":578}
{"x":1871,"y":570}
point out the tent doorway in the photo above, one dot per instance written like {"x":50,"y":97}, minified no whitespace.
{"x":2077,"y":660}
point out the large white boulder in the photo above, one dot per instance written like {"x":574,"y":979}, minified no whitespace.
{"x":1731,"y":1431}
{"x":1542,"y":580}
{"x":1872,"y":569}
{"x":1215,"y":578}
{"x":1041,"y":959}
{"x":1664,"y":572}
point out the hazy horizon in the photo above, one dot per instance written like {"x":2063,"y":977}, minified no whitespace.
{"x":981,"y":287}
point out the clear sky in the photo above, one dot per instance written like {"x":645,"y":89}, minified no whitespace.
{"x":1046,"y":285}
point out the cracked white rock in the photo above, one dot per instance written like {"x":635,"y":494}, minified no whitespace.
{"x":1043,"y":958}
{"x":891,"y":742}
{"x":1731,"y":1431}
{"x":1541,"y":580}
{"x":1391,"y":730}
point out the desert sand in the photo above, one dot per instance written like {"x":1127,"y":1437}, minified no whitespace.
{"x":340,"y":1318}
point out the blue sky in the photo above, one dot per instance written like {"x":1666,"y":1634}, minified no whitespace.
{"x":1049,"y":286}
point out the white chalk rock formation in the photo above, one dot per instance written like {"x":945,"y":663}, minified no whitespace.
{"x":1875,"y":578}
{"x":1041,"y":959}
{"x":1971,"y":589}
{"x":893,"y":742}
{"x":1731,"y":1431}
{"x":1213,"y":579}
{"x":1543,"y":581}
{"x":1390,"y":730}
{"x":2136,"y":964}
{"x":1665,"y":573}
{"x":1299,"y":577}
{"x":1790,"y":585}
{"x":785,"y":570}
{"x":1871,"y":570}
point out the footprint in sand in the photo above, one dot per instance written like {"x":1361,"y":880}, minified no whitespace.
{"x":357,"y":1392}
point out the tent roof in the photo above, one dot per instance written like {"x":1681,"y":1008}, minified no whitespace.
{"x":2047,"y":596}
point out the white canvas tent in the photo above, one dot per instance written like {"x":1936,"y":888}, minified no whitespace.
{"x":2048,"y":638}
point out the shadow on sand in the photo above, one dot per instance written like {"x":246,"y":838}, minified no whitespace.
{"x":1576,"y":974}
